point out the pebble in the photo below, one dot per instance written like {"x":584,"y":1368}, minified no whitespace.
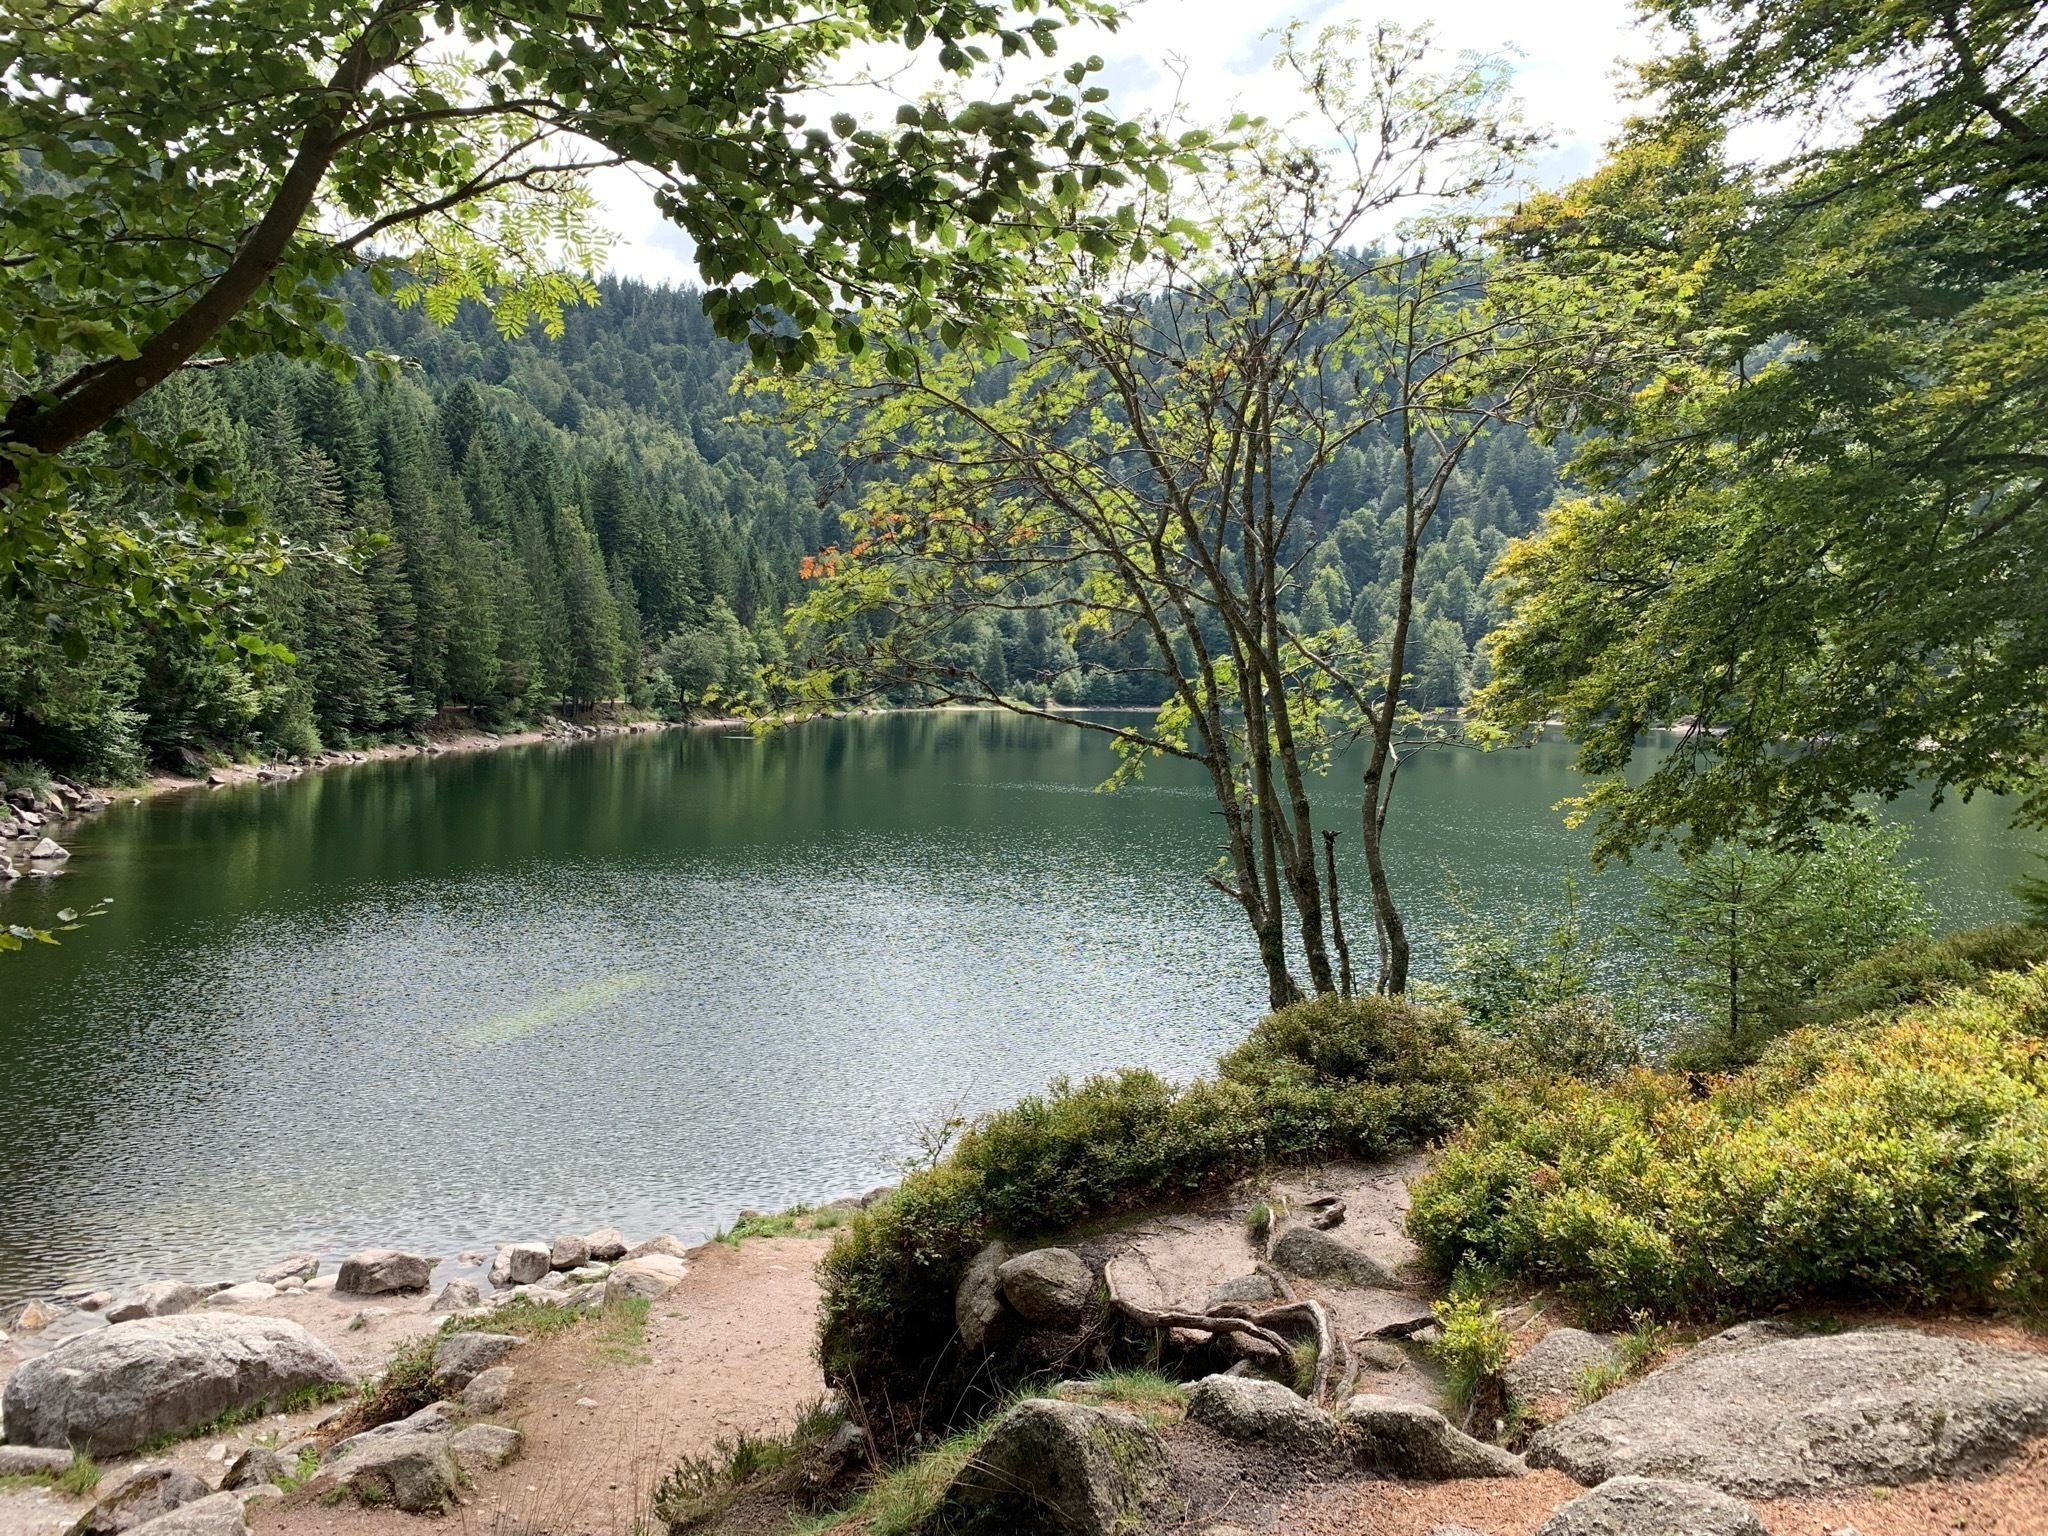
{"x":586,"y":1402}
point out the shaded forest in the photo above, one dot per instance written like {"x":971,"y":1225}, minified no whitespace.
{"x":499,"y":529}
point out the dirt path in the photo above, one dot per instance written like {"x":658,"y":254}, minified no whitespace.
{"x":728,"y":1351}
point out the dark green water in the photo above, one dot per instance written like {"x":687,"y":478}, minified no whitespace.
{"x":647,"y":981}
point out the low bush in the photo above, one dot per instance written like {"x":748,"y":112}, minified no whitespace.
{"x":1902,"y":1158}
{"x":1922,"y":968}
{"x":1324,"y":1078}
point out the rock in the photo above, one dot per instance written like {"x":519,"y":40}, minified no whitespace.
{"x":833,"y":1462}
{"x":461,"y":1357}
{"x":1744,"y":1336}
{"x":1317,"y":1255}
{"x":321,"y":1284}
{"x":1397,"y":1438}
{"x":1643,"y":1506}
{"x":430,"y":1422}
{"x":589,"y":1274}
{"x":218,"y":1514}
{"x":381,"y":1272}
{"x":1248,"y":1290}
{"x":1555,"y":1362}
{"x":1252,"y":1408}
{"x":31,"y":1460}
{"x":418,"y":1473}
{"x":458,"y":1296}
{"x":241,"y":1295}
{"x":48,"y":852}
{"x":520,"y":1264}
{"x":607,"y":1245}
{"x":254,"y":1467}
{"x":1877,"y":1406}
{"x":36,"y":1315}
{"x":1061,"y":1469}
{"x":159,"y":1298}
{"x":670,"y":1246}
{"x":1454,"y":1530}
{"x":488,"y":1390}
{"x":108,"y":1391}
{"x":293,"y":1266}
{"x":262,"y":1493}
{"x":140,"y":1496}
{"x":96,"y":1301}
{"x":1378,"y":1355}
{"x":652,"y":1275}
{"x":488,"y":1446}
{"x":978,"y":1303}
{"x":1053,"y":1287}
{"x":569,"y":1253}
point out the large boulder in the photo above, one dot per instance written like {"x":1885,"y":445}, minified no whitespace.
{"x":139,"y":1496}
{"x":1316,"y":1255}
{"x":159,"y":1298}
{"x":1880,"y":1405}
{"x":381,"y":1272}
{"x":1397,"y":1438}
{"x":418,"y":1473}
{"x":218,"y":1514}
{"x":461,"y":1357}
{"x":651,"y":1276}
{"x":1061,"y":1469}
{"x":1268,"y":1412}
{"x":1554,"y":1364}
{"x":607,"y":1245}
{"x":109,"y":1391}
{"x":978,"y":1303}
{"x":1646,"y":1506}
{"x":570,"y":1252}
{"x":1053,"y":1287}
{"x":521,"y":1264}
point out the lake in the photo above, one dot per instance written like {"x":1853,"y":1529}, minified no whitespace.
{"x":647,"y":981}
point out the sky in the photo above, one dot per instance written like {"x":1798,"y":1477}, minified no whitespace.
{"x":1565,"y":54}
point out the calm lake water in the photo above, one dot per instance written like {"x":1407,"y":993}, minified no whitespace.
{"x":648,"y":981}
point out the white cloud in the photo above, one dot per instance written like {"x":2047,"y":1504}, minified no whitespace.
{"x":1567,"y":60}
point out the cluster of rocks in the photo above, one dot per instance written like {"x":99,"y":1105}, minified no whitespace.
{"x":29,"y":816}
{"x":110,"y":1392}
{"x":587,"y":1268}
{"x":1751,"y":1414}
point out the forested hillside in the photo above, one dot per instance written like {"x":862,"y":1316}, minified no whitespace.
{"x":515,"y":527}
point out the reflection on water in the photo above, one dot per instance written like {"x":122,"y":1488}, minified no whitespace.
{"x":650,"y":980}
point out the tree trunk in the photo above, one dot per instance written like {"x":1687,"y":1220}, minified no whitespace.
{"x":1336,"y":917}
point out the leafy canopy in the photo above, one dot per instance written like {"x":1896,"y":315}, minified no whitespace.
{"x":182,"y":185}
{"x":1814,"y":535}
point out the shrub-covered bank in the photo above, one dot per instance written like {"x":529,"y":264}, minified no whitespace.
{"x":1902,"y":1158}
{"x":1323,"y":1079}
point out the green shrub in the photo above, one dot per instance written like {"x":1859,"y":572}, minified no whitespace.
{"x":1579,"y":1037}
{"x":1902,"y":1159}
{"x":1473,"y":1348}
{"x":1922,"y":968}
{"x":1325,"y":1078}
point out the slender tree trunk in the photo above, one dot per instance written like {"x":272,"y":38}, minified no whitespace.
{"x":1336,"y":917}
